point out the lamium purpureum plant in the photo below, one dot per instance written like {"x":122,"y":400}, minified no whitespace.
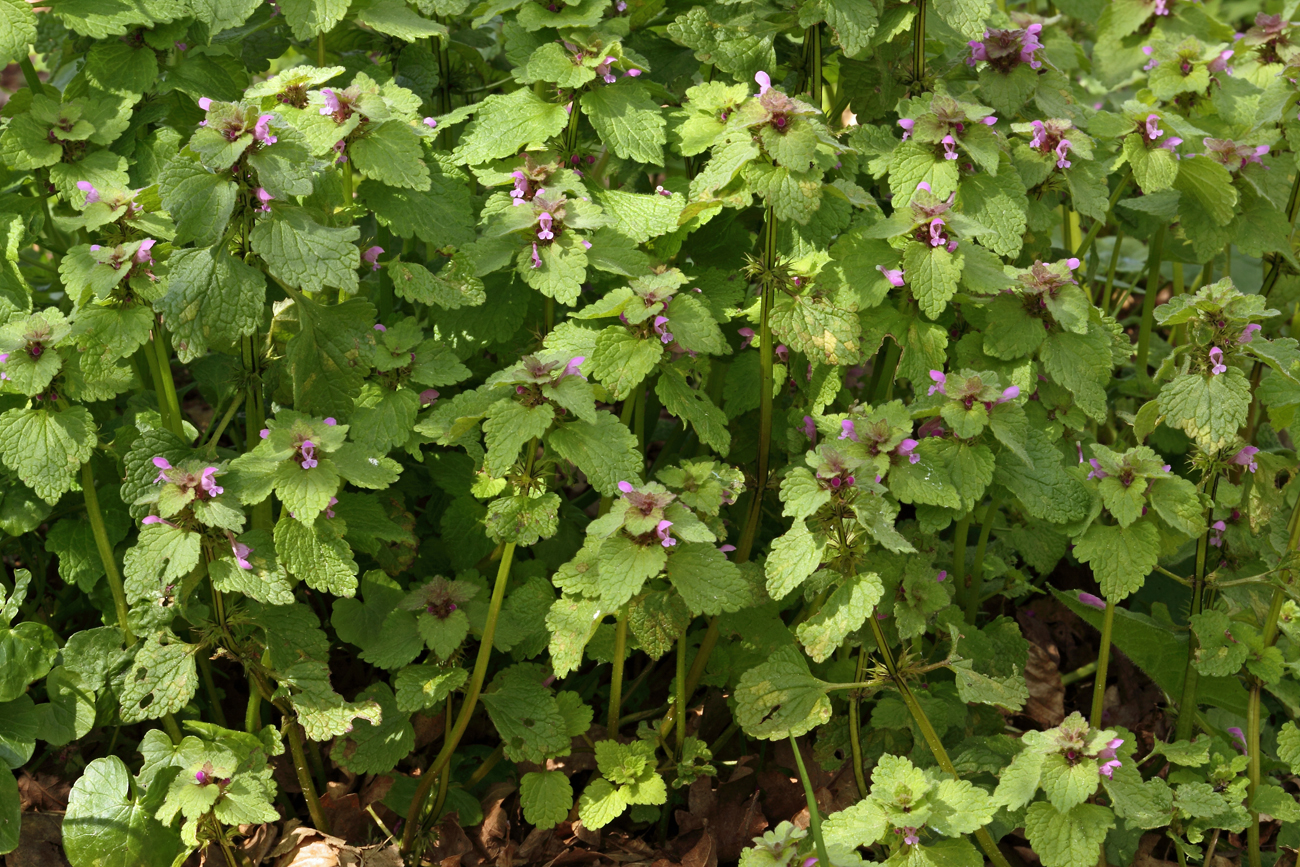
{"x":547,"y":405}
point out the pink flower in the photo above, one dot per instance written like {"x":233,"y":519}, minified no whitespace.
{"x":924,"y":185}
{"x":1072,"y":263}
{"x":907,"y":449}
{"x":242,"y":553}
{"x":665,"y":336}
{"x":1216,"y":358}
{"x":1150,"y":64}
{"x":1097,"y":471}
{"x":764,"y":82}
{"x":544,"y":232}
{"x":330,"y":422}
{"x":661,"y":530}
{"x":380,"y":327}
{"x":163,"y":465}
{"x":748,"y":335}
{"x":430,"y":123}
{"x":92,"y":194}
{"x":949,"y":148}
{"x":942,"y":576}
{"x":726,"y":549}
{"x":264,"y":433}
{"x":937,"y":238}
{"x":428,"y":396}
{"x":208,"y":483}
{"x":848,"y":430}
{"x":782,"y":353}
{"x":329,"y":512}
{"x":1107,"y":756}
{"x":906,"y":124}
{"x":1093,"y":601}
{"x":142,"y":255}
{"x":537,"y":260}
{"x":339,"y":147}
{"x":205,"y":103}
{"x":1062,"y":150}
{"x":370,"y":256}
{"x":154,"y":519}
{"x":1239,"y":737}
{"x":1171,"y":143}
{"x":263,"y":199}
{"x":626,"y":487}
{"x":940,"y":380}
{"x":1153,"y":127}
{"x":1220,"y":63}
{"x":308,"y":455}
{"x":1249,"y":334}
{"x":332,"y":104}
{"x":809,"y":427}
{"x":1219,"y":527}
{"x":262,"y":131}
{"x":909,"y":836}
{"x":1246,"y":458}
{"x":894,"y":276}
{"x":1040,"y":134}
{"x":1030,"y":44}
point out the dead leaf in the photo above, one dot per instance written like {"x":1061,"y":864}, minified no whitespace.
{"x":703,"y":853}
{"x":258,"y":842}
{"x":1046,"y":704}
{"x":43,"y":792}
{"x":38,"y":842}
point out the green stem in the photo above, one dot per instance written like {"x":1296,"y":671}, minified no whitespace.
{"x":452,"y":739}
{"x":1155,"y":254}
{"x":571,"y":132}
{"x":105,"y":549}
{"x":1256,"y":693}
{"x":1097,"y":225}
{"x":1079,"y":673}
{"x":814,"y":815}
{"x":765,"y":356}
{"x":1103,"y":662}
{"x":294,"y":732}
{"x":812,"y":39}
{"x":681,"y":690}
{"x":29,"y":73}
{"x":215,"y":433}
{"x":977,"y":569}
{"x":210,"y":686}
{"x":1275,"y":269}
{"x":616,"y":680}
{"x":445,"y":781}
{"x":1110,"y":273}
{"x":1187,"y":703}
{"x":959,"y":538}
{"x":918,"y":42}
{"x":320,"y":49}
{"x":885,"y":385}
{"x":929,"y":734}
{"x":486,"y":767}
{"x":855,"y":726}
{"x":158,"y":343}
{"x":253,"y":711}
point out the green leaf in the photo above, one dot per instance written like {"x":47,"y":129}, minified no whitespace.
{"x":601,"y":803}
{"x":999,"y":202}
{"x":11,"y":804}
{"x":628,"y":121}
{"x":1209,"y":409}
{"x":510,"y":427}
{"x":825,"y":328}
{"x":391,"y":153}
{"x":1067,"y":839}
{"x":394,"y":18}
{"x":967,"y":17}
{"x":523,"y":518}
{"x":211,"y":297}
{"x":1208,"y":183}
{"x":376,"y":747}
{"x":1218,"y":653}
{"x":843,"y":612}
{"x":625,"y":566}
{"x":606,"y":452}
{"x":328,"y":366}
{"x":453,"y":287}
{"x":440,"y":216}
{"x":793,"y":557}
{"x":316,"y":553}
{"x":621,"y":360}
{"x":780,"y":697}
{"x":46,"y":449}
{"x":307,"y":255}
{"x":505,"y":123}
{"x":309,"y":18}
{"x":546,"y":798}
{"x":69,"y":713}
{"x":1068,"y":784}
{"x":110,"y":822}
{"x":18,"y":726}
{"x":1044,"y":487}
{"x":693,"y":405}
{"x":199,"y":201}
{"x":17,"y":31}
{"x":420,"y":687}
{"x":1120,"y":557}
{"x":933,"y":273}
{"x":526,"y":715}
{"x":1155,"y":169}
{"x":162,"y":679}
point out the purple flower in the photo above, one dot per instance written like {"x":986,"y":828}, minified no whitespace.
{"x":1171,"y":143}
{"x":1094,"y":601}
{"x":937,"y":238}
{"x":142,"y":255}
{"x":949,"y":148}
{"x":1107,"y":756}
{"x":940,"y":380}
{"x":1239,"y":737}
{"x":906,"y":124}
{"x":748,"y":337}
{"x":264,"y":433}
{"x":330,"y":422}
{"x":201,"y":777}
{"x":603,"y":70}
{"x":782,"y":353}
{"x":942,"y":576}
{"x":1246,"y":458}
{"x":154,"y":519}
{"x":339,"y":147}
{"x":162,"y":465}
{"x":726,"y":549}
{"x":1062,"y":150}
{"x":1072,"y":263}
{"x":430,"y":123}
{"x":661,"y":530}
{"x":308,"y":455}
{"x":665,"y":193}
{"x":332,"y":104}
{"x":370,"y":256}
{"x":92,"y":194}
{"x":380,"y":327}
{"x":537,"y":260}
{"x":1030,"y":44}
{"x":1097,"y":471}
{"x":1010,"y":393}
{"x":1249,"y":334}
{"x":1219,"y":527}
{"x":894,"y":276}
{"x":242,"y":553}
{"x":909,"y":836}
{"x":571,"y":369}
{"x":848,"y":430}
{"x":665,"y":336}
{"x":1040,"y":134}
{"x":329,"y":512}
{"x":544,"y":232}
{"x":626,"y":487}
{"x":764,"y":82}
{"x":428,"y":396}
{"x":205,"y":103}
{"x":263,"y":198}
{"x":208,"y":483}
{"x":809,"y":862}
{"x":586,"y":245}
{"x":809,"y":427}
{"x":1220,"y":63}
{"x":1153,"y":127}
{"x":262,"y":131}
{"x":924,"y":185}
{"x":906,"y":449}
{"x":1216,"y":359}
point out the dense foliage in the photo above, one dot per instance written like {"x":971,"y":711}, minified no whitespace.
{"x":775,"y":351}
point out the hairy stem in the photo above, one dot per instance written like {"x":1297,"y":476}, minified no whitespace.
{"x":444,"y":782}
{"x":959,"y":537}
{"x":1103,"y":662}
{"x":1275,"y":269}
{"x":918,"y":41}
{"x":681,"y":690}
{"x":616,"y":680}
{"x":1187,"y":703}
{"x":452,"y":739}
{"x":295,"y":735}
{"x":214,"y":434}
{"x":571,"y":132}
{"x":1154,"y":256}
{"x":814,"y":815}
{"x":253,"y":711}
{"x":855,"y":726}
{"x":1110,"y":273}
{"x":976,"y":589}
{"x":176,"y":422}
{"x":105,"y":549}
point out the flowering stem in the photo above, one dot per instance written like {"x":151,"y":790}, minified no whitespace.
{"x":855,"y":725}
{"x":1103,"y":662}
{"x":452,"y":739}
{"x":959,"y":536}
{"x":681,"y":690}
{"x":100,"y":532}
{"x":168,"y":385}
{"x":976,"y":589}
{"x":1187,"y":704}
{"x":918,"y":41}
{"x":888,"y":365}
{"x":571,"y":132}
{"x":215,"y":433}
{"x":294,"y":732}
{"x":320,"y":49}
{"x":1257,"y":688}
{"x":812,"y":40}
{"x":814,"y":816}
{"x":253,"y":710}
{"x":931,"y":736}
{"x":616,"y":680}
{"x":1154,"y":257}
{"x":1110,"y":274}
